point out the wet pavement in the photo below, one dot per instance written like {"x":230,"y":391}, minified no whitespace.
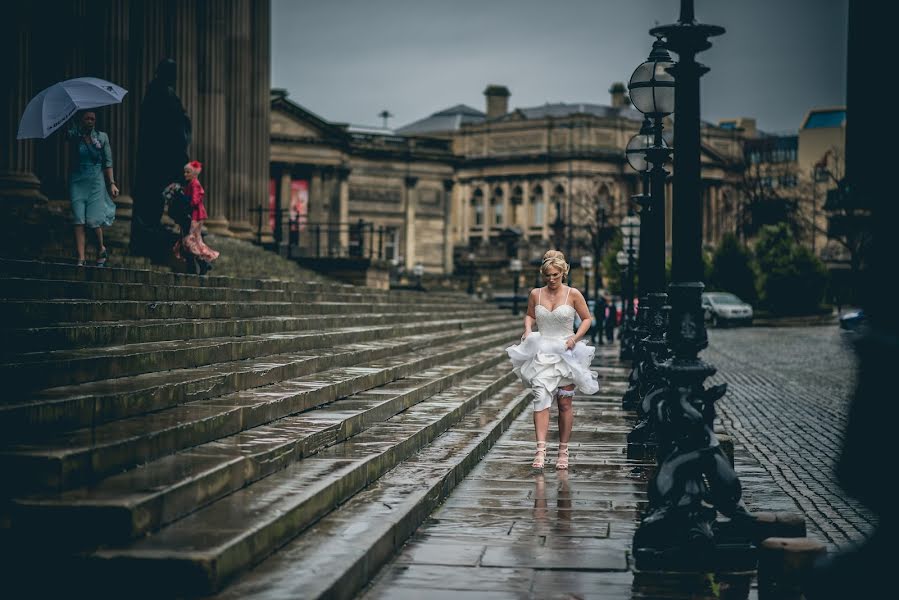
{"x":508,"y":531}
{"x":789,"y":394}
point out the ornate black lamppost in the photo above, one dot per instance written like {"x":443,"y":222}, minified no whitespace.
{"x":515,"y":268}
{"x":647,"y":152}
{"x":471,"y":258}
{"x":694,"y":479}
{"x":587,"y":264}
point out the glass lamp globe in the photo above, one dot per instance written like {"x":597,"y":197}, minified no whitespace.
{"x":652,"y":86}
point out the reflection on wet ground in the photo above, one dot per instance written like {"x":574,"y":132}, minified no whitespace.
{"x":508,"y":531}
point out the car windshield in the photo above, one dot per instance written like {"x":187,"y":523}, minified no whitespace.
{"x":724,"y":299}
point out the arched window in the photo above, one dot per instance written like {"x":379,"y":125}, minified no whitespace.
{"x":477,"y":205}
{"x":516,"y":200}
{"x":538,"y":206}
{"x":497,"y":204}
{"x":558,"y":202}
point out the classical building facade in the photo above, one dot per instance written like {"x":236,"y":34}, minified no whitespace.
{"x":222,"y":51}
{"x":463,"y":182}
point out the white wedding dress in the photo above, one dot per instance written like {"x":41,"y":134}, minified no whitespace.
{"x":542,"y":361}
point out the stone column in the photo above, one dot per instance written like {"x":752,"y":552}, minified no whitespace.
{"x":507,"y":204}
{"x":409,"y":204}
{"x":487,"y":212}
{"x":450,"y":191}
{"x":20,"y":193}
{"x":238,"y":102}
{"x":463,"y":193}
{"x":524,"y":211}
{"x":343,"y":207}
{"x":210,"y":124}
{"x":548,"y":207}
{"x":260,"y":105}
{"x":282,"y":203}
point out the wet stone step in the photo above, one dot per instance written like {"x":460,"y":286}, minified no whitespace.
{"x":97,"y":402}
{"x":125,"y":506}
{"x":201,"y":552}
{"x":345,"y":549}
{"x":21,"y":269}
{"x":47,"y":288}
{"x":82,"y":335}
{"x":12,"y":288}
{"x":81,"y":456}
{"x":69,"y":272}
{"x":23,"y":313}
{"x":65,"y":367}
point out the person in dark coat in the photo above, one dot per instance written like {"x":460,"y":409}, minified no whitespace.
{"x":611,"y":320}
{"x":600,"y":311}
{"x":164,"y":136}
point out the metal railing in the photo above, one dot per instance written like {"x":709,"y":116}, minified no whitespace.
{"x":308,"y":239}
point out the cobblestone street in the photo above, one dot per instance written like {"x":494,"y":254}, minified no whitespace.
{"x":789,"y":393}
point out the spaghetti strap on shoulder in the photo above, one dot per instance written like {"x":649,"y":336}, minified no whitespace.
{"x":568,"y":293}
{"x":539,"y":295}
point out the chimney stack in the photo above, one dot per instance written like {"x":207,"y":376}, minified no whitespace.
{"x":619,"y":95}
{"x":497,"y":100}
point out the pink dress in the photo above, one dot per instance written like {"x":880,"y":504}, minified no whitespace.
{"x":193,"y":241}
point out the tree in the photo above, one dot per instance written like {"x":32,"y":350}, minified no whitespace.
{"x":732,"y":270}
{"x":792,"y":279}
{"x":591,"y":209}
{"x":843,"y":219}
{"x":769,"y":186}
{"x":610,"y":267}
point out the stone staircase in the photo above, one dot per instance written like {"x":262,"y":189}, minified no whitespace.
{"x":163,"y":433}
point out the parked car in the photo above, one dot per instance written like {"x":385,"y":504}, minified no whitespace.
{"x":723,"y":308}
{"x":852,"y":320}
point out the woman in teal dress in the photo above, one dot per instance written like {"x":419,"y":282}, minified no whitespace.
{"x":92,"y":185}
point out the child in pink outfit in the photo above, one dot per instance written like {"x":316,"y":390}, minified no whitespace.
{"x":193,"y":240}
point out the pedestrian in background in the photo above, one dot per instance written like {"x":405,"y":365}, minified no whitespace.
{"x":193,"y":241}
{"x":92,"y":185}
{"x":601,"y":307}
{"x":611,"y":320}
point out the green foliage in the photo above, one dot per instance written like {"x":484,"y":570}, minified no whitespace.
{"x":791,"y":279}
{"x":611,"y":272}
{"x":731,"y":270}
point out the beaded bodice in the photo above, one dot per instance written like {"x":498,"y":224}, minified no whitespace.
{"x":558,"y":322}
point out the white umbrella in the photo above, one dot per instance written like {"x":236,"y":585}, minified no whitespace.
{"x":49,"y":110}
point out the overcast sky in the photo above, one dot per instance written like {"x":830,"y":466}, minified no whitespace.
{"x":346,"y":60}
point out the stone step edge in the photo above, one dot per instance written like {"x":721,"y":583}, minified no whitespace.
{"x":12,"y":268}
{"x":386,"y":538}
{"x":198,"y":571}
{"x":123,"y":323}
{"x":68,"y":367}
{"x":105,"y":521}
{"x":110,"y":311}
{"x":19,"y":420}
{"x":249,"y":286}
{"x":58,"y":468}
{"x":77,"y":336}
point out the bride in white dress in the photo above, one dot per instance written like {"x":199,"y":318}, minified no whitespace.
{"x":553,"y":360}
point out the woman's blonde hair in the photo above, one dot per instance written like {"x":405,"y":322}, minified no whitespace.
{"x":554,"y":259}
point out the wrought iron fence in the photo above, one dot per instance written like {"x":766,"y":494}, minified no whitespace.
{"x":359,"y":239}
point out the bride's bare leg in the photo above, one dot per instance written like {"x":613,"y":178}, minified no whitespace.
{"x":566,"y":422}
{"x":541,"y":428}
